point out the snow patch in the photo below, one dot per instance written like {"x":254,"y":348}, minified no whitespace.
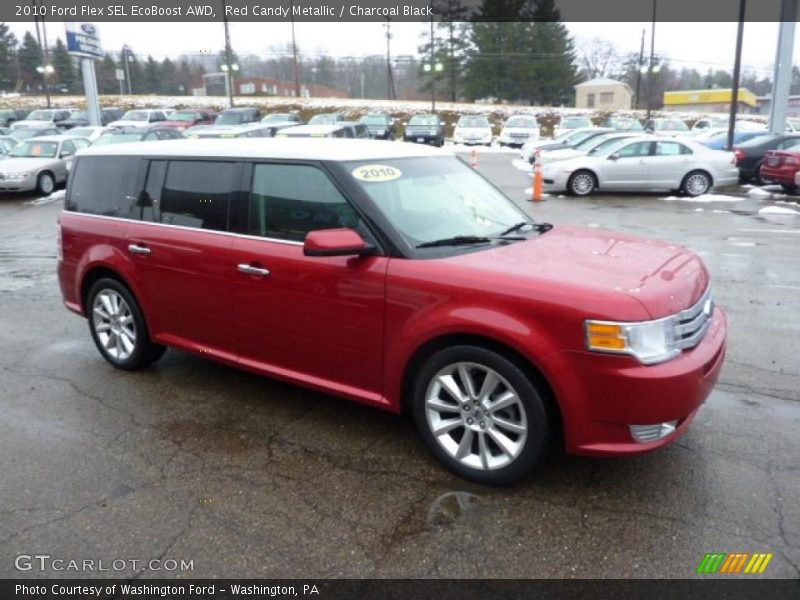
{"x":778,"y":210}
{"x":529,"y":192}
{"x":54,"y":197}
{"x":522,"y":165}
{"x":704,"y":198}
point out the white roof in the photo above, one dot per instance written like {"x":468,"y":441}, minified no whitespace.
{"x":290,"y":148}
{"x":602,"y":81}
{"x":314,"y":129}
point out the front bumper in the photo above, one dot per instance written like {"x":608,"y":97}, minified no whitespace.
{"x":18,"y":185}
{"x":601,"y":396}
{"x":784,"y":174}
{"x":425,"y":138}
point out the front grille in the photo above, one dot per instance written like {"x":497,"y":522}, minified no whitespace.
{"x":691,"y":324}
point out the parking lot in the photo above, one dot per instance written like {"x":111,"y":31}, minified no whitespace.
{"x":249,"y":477}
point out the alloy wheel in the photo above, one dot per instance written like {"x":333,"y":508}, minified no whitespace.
{"x":582,"y":184}
{"x":697,"y":184}
{"x":114,"y":325}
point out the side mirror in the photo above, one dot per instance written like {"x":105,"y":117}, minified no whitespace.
{"x":614,"y":156}
{"x":335,"y":242}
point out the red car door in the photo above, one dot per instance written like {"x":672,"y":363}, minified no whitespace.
{"x":318,"y":320}
{"x":182,"y":251}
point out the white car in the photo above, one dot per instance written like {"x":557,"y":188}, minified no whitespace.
{"x":142,"y":117}
{"x":571,"y":124}
{"x":519,"y":129}
{"x":569,"y":138}
{"x":89,"y":132}
{"x":473,"y":130}
{"x":721,"y":124}
{"x":667,"y":127}
{"x":589,"y":146}
{"x":644,"y":164}
{"x":42,"y":119}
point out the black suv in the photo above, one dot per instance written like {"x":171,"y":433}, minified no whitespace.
{"x":9,"y":116}
{"x":425,"y":129}
{"x":238,"y":116}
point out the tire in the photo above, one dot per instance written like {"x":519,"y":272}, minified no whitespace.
{"x":789,"y":188}
{"x":504,"y":444}
{"x":696,"y":183}
{"x":118,"y":327}
{"x":757,"y":175}
{"x":45,"y":183}
{"x":581,"y":183}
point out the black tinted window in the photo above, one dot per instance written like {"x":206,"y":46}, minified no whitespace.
{"x":288,"y":201}
{"x":197,"y":193}
{"x":103,"y":186}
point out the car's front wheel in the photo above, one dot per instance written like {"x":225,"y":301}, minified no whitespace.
{"x":45,"y":184}
{"x":581,"y":183}
{"x":696,"y":183}
{"x":118,"y":327}
{"x":481,"y":415}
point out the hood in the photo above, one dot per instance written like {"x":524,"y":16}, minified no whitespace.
{"x":589,"y":269}
{"x":128,"y":123}
{"x":25,"y":124}
{"x":15,"y":165}
{"x":561,"y":154}
{"x":473,"y":130}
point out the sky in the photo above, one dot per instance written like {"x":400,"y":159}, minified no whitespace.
{"x":698,"y":45}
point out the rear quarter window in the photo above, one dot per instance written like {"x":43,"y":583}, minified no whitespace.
{"x":103,"y":186}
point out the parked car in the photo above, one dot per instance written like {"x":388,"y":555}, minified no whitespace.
{"x":424,"y":129}
{"x":326,"y":119}
{"x":41,"y":119}
{"x":667,"y":127}
{"x":623,"y":124}
{"x":37,"y":164}
{"x":642,"y":164}
{"x":234,"y":131}
{"x":396,"y":276}
{"x":80,"y":118}
{"x":5,"y":130}
{"x":141,"y":117}
{"x":9,"y":116}
{"x":126,"y":135}
{"x":473,"y":130}
{"x":380,"y":126}
{"x":316,"y":131}
{"x":571,"y":124}
{"x":183,"y":119}
{"x":281,"y":118}
{"x":519,"y":129}
{"x":719,"y":140}
{"x":569,"y":139}
{"x":6,"y":144}
{"x":781,"y":166}
{"x":589,"y":146}
{"x":240,"y":115}
{"x":27,"y":133}
{"x":750,"y":154}
{"x":89,"y":132}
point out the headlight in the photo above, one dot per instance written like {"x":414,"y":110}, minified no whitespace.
{"x":648,"y":341}
{"x":20,"y":175}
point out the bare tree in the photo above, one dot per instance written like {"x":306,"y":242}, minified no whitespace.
{"x":597,"y":57}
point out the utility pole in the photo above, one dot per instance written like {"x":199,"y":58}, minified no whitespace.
{"x":737,"y":69}
{"x":389,"y":79}
{"x":433,"y":72}
{"x":228,"y":60}
{"x":294,"y":53}
{"x":126,"y":57}
{"x":43,"y":49}
{"x":652,"y":59}
{"x":783,"y":67}
{"x":639,"y":66}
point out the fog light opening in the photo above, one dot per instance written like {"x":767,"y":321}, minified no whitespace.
{"x":644,"y":434}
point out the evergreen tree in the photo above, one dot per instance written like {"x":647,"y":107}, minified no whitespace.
{"x":169,"y":77}
{"x":8,"y":59}
{"x":152,"y":77}
{"x":106,"y":70}
{"x":30,"y":57}
{"x":451,"y":42}
{"x":64,"y":66}
{"x":554,"y":74}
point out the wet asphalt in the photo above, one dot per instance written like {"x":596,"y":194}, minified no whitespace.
{"x":249,"y":477}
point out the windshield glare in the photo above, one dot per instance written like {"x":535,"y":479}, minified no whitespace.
{"x":473,"y":122}
{"x":609,"y":146}
{"x":758,"y":140}
{"x":183,"y":115}
{"x":324,"y":119}
{"x":575,"y":123}
{"x":117,"y":138}
{"x":375,"y":120}
{"x":35,"y":150}
{"x":424,"y":120}
{"x":671,"y":125}
{"x":591,"y":142}
{"x":277,"y":118}
{"x":434,"y":198}
{"x":40,"y":115}
{"x":526,"y":122}
{"x":135,"y":115}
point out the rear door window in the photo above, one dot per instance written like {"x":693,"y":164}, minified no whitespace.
{"x":197,"y":194}
{"x":104,"y":186}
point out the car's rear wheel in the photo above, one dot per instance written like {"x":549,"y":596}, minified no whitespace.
{"x":696,"y":183}
{"x":481,"y":415}
{"x":757,"y":175}
{"x":118,"y":327}
{"x":45,"y":183}
{"x":581,"y":183}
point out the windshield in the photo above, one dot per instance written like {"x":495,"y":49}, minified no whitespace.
{"x":117,"y":138}
{"x":40,"y":115}
{"x":135,"y":115}
{"x":78,"y":114}
{"x":324,"y":119}
{"x":375,"y":120}
{"x":578,"y":137}
{"x":35,"y":150}
{"x":229,"y":118}
{"x":591,"y":142}
{"x":473,"y":122}
{"x":758,"y":140}
{"x":526,"y":122}
{"x":431,"y":120}
{"x":278,"y":118}
{"x":575,"y":123}
{"x":24,"y":134}
{"x":427,"y":199}
{"x":186,"y":116}
{"x":608,"y":146}
{"x":671,"y":125}
{"x":626,"y":124}
{"x":81,"y":131}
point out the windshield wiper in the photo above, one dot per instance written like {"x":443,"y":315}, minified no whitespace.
{"x":459,"y":240}
{"x":537,"y":227}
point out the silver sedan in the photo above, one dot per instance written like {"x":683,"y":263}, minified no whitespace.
{"x":38,"y":164}
{"x":644,"y":164}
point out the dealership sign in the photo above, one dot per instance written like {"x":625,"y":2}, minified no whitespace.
{"x":83,"y":40}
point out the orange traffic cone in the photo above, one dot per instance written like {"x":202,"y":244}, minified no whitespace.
{"x":473,"y":159}
{"x":538,"y":179}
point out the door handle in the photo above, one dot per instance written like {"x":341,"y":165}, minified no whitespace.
{"x":253,"y":270}
{"x":137,"y":249}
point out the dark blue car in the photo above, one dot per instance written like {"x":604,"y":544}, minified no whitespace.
{"x":721,"y":141}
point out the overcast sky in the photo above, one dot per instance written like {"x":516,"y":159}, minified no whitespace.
{"x":700,"y":45}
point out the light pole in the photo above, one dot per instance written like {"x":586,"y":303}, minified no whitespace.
{"x":294,"y":57}
{"x":737,"y":69}
{"x":36,"y":11}
{"x":126,"y":58}
{"x":228,"y":60}
{"x":229,"y":70}
{"x":650,"y":69}
{"x":433,"y":68}
{"x":46,"y":71}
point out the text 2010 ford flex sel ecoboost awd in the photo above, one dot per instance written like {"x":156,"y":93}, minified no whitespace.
{"x":394,"y":275}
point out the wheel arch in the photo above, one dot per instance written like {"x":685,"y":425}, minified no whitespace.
{"x":95,"y":274}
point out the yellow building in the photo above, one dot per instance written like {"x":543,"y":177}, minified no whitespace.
{"x":708,"y":101}
{"x":604,"y":94}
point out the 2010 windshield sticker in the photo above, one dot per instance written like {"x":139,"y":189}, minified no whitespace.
{"x":377,"y":173}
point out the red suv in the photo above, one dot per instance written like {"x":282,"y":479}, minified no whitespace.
{"x":183,"y":119}
{"x":781,"y":166}
{"x":393,"y":275}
